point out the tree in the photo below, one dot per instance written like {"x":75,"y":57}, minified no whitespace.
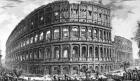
{"x":125,"y":65}
{"x":17,"y":72}
{"x":137,"y":73}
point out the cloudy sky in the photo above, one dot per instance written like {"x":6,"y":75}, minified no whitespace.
{"x":125,"y":14}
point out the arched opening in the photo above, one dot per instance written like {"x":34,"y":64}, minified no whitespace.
{"x":56,"y":70}
{"x":36,"y":54}
{"x":110,"y":53}
{"x":65,"y":70}
{"x":106,"y":69}
{"x":41,"y":36}
{"x":31,"y":40}
{"x":27,"y":56}
{"x":41,"y":53}
{"x":31,"y":54}
{"x":75,"y":32}
{"x":36,"y":38}
{"x":102,"y":69}
{"x":27,"y":41}
{"x":91,"y":69}
{"x":110,"y":68}
{"x":101,"y":51}
{"x":75,"y":52}
{"x":75,"y":70}
{"x":84,"y":52}
{"x":56,"y":33}
{"x":24,"y":56}
{"x":84,"y":69}
{"x":89,"y":33}
{"x":96,"y":52}
{"x":83,"y":32}
{"x":96,"y":68}
{"x":56,"y":53}
{"x":105,"y":35}
{"x":47,"y":70}
{"x":90,"y":52}
{"x":95,"y":34}
{"x":65,"y":32}
{"x":21,"y":58}
{"x":101,"y":35}
{"x":48,"y":35}
{"x":109,"y":36}
{"x":107,"y":53}
{"x":65,"y":53}
{"x":47,"y":53}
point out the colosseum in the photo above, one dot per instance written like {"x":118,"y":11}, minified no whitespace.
{"x":62,"y":38}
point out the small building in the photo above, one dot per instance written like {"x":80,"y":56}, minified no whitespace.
{"x":122,"y":51}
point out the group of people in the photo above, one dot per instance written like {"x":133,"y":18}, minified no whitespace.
{"x":9,"y":76}
{"x":132,"y":75}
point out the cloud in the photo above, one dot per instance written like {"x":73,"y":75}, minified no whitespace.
{"x":124,"y":20}
{"x":8,"y":23}
{"x":27,"y":9}
{"x":7,"y":6}
{"x":18,"y":1}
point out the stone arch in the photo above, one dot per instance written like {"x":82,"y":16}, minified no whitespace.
{"x":96,"y":52}
{"x":95,"y":34}
{"x":46,"y":70}
{"x":56,"y":33}
{"x":101,"y":52}
{"x":56,"y":53}
{"x":110,"y":68}
{"x":96,"y":68}
{"x":36,"y":53}
{"x":91,"y":68}
{"x":75,"y":32}
{"x":75,"y":52}
{"x":91,"y":51}
{"x":47,"y":53}
{"x":48,"y":35}
{"x":65,"y":52}
{"x":105,"y":35}
{"x":102,"y":69}
{"x":65,"y":70}
{"x":75,"y":69}
{"x":101,"y":35}
{"x":56,"y":70}
{"x":108,"y":53}
{"x":84,"y":52}
{"x":65,"y":32}
{"x":41,"y":53}
{"x":36,"y":38}
{"x":41,"y":36}
{"x":31,"y":40}
{"x":109,"y":36}
{"x":106,"y":69}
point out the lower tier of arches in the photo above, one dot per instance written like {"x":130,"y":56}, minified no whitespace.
{"x":66,"y":68}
